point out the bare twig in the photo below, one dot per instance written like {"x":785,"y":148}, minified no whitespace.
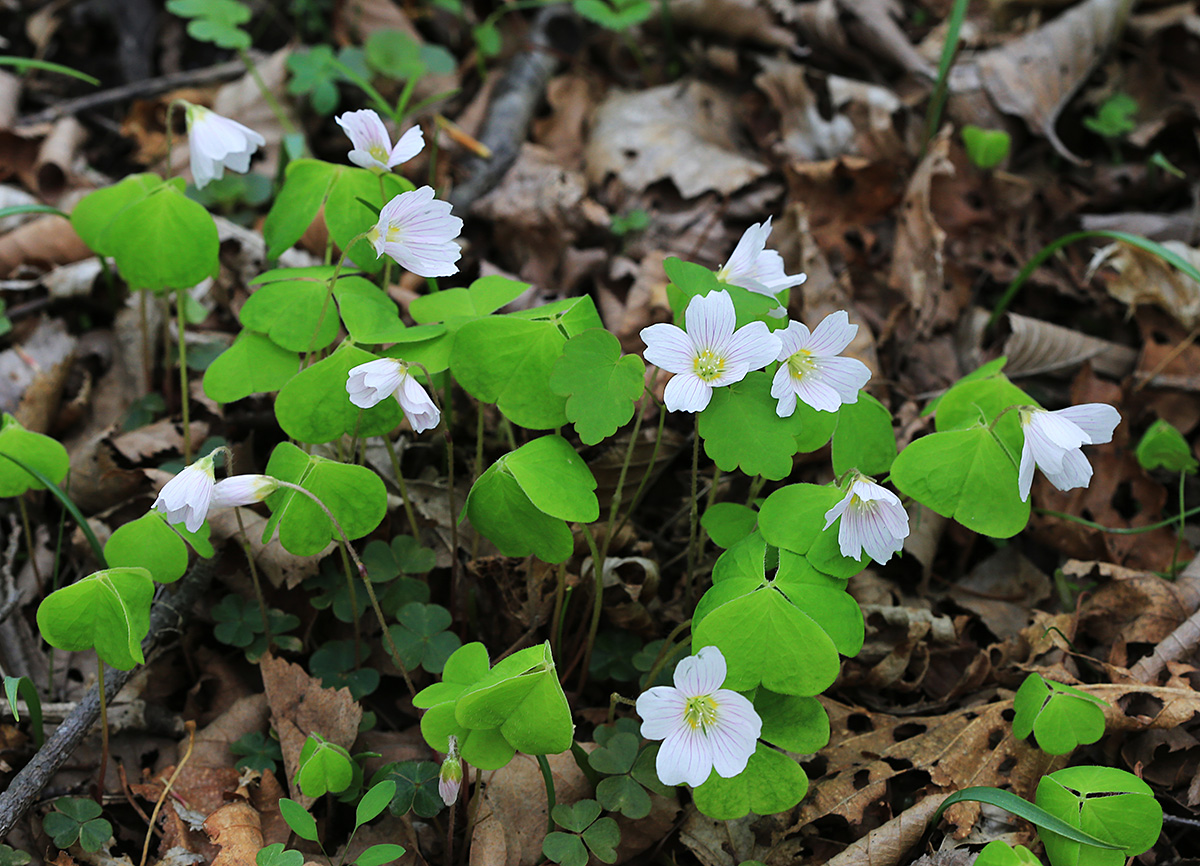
{"x":1178,"y":643}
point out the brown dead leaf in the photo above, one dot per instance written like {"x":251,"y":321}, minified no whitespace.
{"x":301,"y":706}
{"x":887,"y":845}
{"x":571,"y":100}
{"x":736,"y":20}
{"x":41,"y":244}
{"x":1144,"y":278}
{"x":56,"y":157}
{"x":281,"y":567}
{"x":237,"y":830}
{"x":1135,"y":606}
{"x":844,"y":197}
{"x":806,"y":134}
{"x":1002,"y":590}
{"x":685,"y":132}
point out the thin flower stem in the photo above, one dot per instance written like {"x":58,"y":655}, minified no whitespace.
{"x":258,"y":592}
{"x":184,"y":402}
{"x":356,"y":620}
{"x":329,"y":286}
{"x":559,"y":595}
{"x":637,"y":496}
{"x":667,"y":651}
{"x":1135,"y":530}
{"x":479,"y":417}
{"x":551,"y":801}
{"x":408,"y":509}
{"x":191,"y":729}
{"x":615,"y":505}
{"x":472,"y":808}
{"x":1178,"y":535}
{"x":444,"y":411}
{"x":362,"y":570}
{"x":144,"y":323}
{"x":756,"y":486}
{"x":597,"y":604}
{"x":170,"y":139}
{"x":30,"y":547}
{"x":268,"y":96}
{"x":694,"y":517}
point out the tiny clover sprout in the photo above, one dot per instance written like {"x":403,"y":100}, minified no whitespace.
{"x":275,"y":855}
{"x":421,"y":636}
{"x":1000,"y":853}
{"x":324,"y":767}
{"x":1059,"y":716}
{"x":523,"y":501}
{"x":257,"y":751}
{"x":1163,"y":447}
{"x":416,"y":787}
{"x":1110,"y":804}
{"x":334,"y":664}
{"x":328,"y":588}
{"x":397,"y":54}
{"x":986,"y":148}
{"x":628,"y":770}
{"x":586,"y":831}
{"x":612,"y":654}
{"x":216,"y":21}
{"x":150,"y":543}
{"x":1114,"y":117}
{"x":77,"y":820}
{"x":600,"y":384}
{"x":11,"y":857}
{"x":23,"y":687}
{"x":108,"y":611}
{"x":239,"y":624}
{"x":40,"y":453}
{"x":615,"y":14}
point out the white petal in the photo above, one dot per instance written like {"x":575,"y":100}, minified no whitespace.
{"x":786,"y":407}
{"x":1074,"y":472}
{"x":687,"y":392}
{"x":1047,"y":453}
{"x":661,"y":709}
{"x":685,"y":757}
{"x":701,"y":674}
{"x":752,"y":346}
{"x":845,"y":375}
{"x":710,"y":319}
{"x":421,"y":411}
{"x":837,"y":511}
{"x":370,"y":383}
{"x":745,"y":254}
{"x":792,"y":339}
{"x":1025,"y":472}
{"x":409,"y":145}
{"x":186,"y":497}
{"x":1096,"y":420}
{"x":812,"y":391}
{"x":366,"y":130}
{"x":668,"y":347}
{"x":217,"y":143}
{"x":418,"y":231}
{"x":242,"y":490}
{"x":833,"y":335}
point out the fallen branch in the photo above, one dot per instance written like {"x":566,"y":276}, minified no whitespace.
{"x":1177,"y":644}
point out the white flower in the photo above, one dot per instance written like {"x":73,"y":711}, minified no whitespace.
{"x":217,"y":143}
{"x":418,"y":231}
{"x":1053,"y":441}
{"x":186,"y":497}
{"x":811,"y":369}
{"x":450,"y":775}
{"x":372,"y":145}
{"x":242,"y":490}
{"x":709,"y":353}
{"x":872,"y":520}
{"x":371,"y":383}
{"x":703,"y":726}
{"x":752,"y":266}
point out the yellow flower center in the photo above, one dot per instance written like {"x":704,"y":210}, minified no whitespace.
{"x":378,"y":152}
{"x":700,"y":712}
{"x":707,"y":365}
{"x":801,"y":364}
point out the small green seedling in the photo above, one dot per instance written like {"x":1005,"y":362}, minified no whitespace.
{"x":257,"y":751}
{"x":999,"y":853}
{"x":216,"y":21}
{"x":335,"y":665}
{"x":586,"y":832}
{"x":1163,"y":447}
{"x":23,"y":687}
{"x":1110,"y":804}
{"x":75,"y":819}
{"x":11,"y":857}
{"x":1114,"y":117}
{"x":369,"y":807}
{"x":1060,"y":717}
{"x":416,"y":787}
{"x":615,"y":14}
{"x":628,"y":770}
{"x":275,"y":855}
{"x":623,"y":224}
{"x":986,"y":148}
{"x":421,"y":636}
{"x":240,"y":624}
{"x":324,"y":767}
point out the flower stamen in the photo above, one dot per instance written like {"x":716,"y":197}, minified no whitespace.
{"x":700,"y":712}
{"x":801,"y":363}
{"x":708,"y":365}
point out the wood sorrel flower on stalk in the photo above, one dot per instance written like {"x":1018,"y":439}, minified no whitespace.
{"x":450,"y":774}
{"x":703,"y":726}
{"x":872,"y":520}
{"x":752,"y":266}
{"x":192,"y":494}
{"x":812,"y":370}
{"x":1054,"y":440}
{"x":709,"y":353}
{"x":371,"y":383}
{"x":418,"y":231}
{"x":217,"y":143}
{"x":373,"y":146}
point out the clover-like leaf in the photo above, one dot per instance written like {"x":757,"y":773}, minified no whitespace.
{"x":1163,"y":446}
{"x":150,"y":543}
{"x":333,"y":663}
{"x":616,"y":756}
{"x":792,"y":722}
{"x":138,"y":234}
{"x":421,"y":636}
{"x":257,"y":751}
{"x":416,"y":787}
{"x":76,"y":819}
{"x":1060,"y":717}
{"x":215,"y":21}
{"x":34,"y":450}
{"x":727,"y":523}
{"x":324,"y":767}
{"x":1110,"y":804}
{"x":863,"y":439}
{"x":254,"y":364}
{"x":566,"y":849}
{"x":625,"y":795}
{"x":771,"y":783}
{"x":986,"y":148}
{"x":108,"y":611}
{"x":97,"y":210}
{"x":508,"y":361}
{"x":793,"y":518}
{"x":275,"y":855}
{"x":314,"y":407}
{"x":601,"y":385}
{"x":1000,"y":853}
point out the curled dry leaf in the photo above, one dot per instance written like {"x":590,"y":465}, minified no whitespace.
{"x":737,"y":20}
{"x":887,"y":845}
{"x":57,"y":155}
{"x":237,"y":830}
{"x":806,"y":134}
{"x":41,"y":244}
{"x":1144,"y":278}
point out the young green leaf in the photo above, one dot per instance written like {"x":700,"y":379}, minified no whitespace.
{"x":97,"y":210}
{"x":257,"y":751}
{"x":254,"y":364}
{"x":76,"y":819}
{"x":1164,"y":447}
{"x":374,"y":802}
{"x":165,"y":219}
{"x":772,"y":782}
{"x":23,"y":687}
{"x":416,"y":787}
{"x":792,"y":722}
{"x":1000,"y":853}
{"x":297,"y":817}
{"x":108,"y":611}
{"x":421,"y":636}
{"x":274,"y":855}
{"x":727,"y":523}
{"x":150,"y":543}
{"x":863,"y":439}
{"x":325,"y":767}
{"x":377,"y":855}
{"x":34,"y":450}
{"x":600,"y":384}
{"x":1112,"y":805}
{"x":314,"y":406}
{"x":986,"y":148}
{"x":1059,"y":716}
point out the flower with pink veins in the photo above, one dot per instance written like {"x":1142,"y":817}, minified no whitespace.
{"x":812,"y":371}
{"x":703,"y":726}
{"x":373,"y":146}
{"x":373,"y":382}
{"x":872,"y":520}
{"x":752,"y":266}
{"x":216,"y":143}
{"x":418,"y":232}
{"x":709,"y":354}
{"x":1054,"y":440}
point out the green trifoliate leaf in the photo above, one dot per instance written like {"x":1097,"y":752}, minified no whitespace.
{"x":274,"y":855}
{"x":991,"y":368}
{"x":324,"y":768}
{"x":298,"y":314}
{"x":566,"y":849}
{"x":823,"y":598}
{"x":792,"y":722}
{"x":353,"y":494}
{"x":1164,"y":447}
{"x":508,"y":362}
{"x":421,"y":636}
{"x":771,"y":783}
{"x":689,"y":280}
{"x":1059,"y":716}
{"x":347,"y":216}
{"x":741,"y":430}
{"x":623,"y":794}
{"x":966,"y":475}
{"x":578,"y":817}
{"x":150,"y":543}
{"x":416,"y":787}
{"x":314,"y":407}
{"x":165,"y":219}
{"x":750,"y":557}
{"x":485,"y":748}
{"x":108,"y":611}
{"x":98,"y":210}
{"x":483,"y":297}
{"x":555,"y":479}
{"x":616,"y":756}
{"x":980,"y":402}
{"x":600,"y":384}
{"x":252,"y":365}
{"x":34,"y":450}
{"x":1110,"y":804}
{"x":369,"y":315}
{"x":215,"y":21}
{"x":727,"y":523}
{"x":1000,"y":853}
{"x":305,"y":187}
{"x":864,"y":439}
{"x":793,"y":518}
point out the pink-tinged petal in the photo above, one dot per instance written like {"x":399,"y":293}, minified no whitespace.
{"x":242,"y":490}
{"x":815,"y":393}
{"x":710,"y":319}
{"x":833,"y":335}
{"x":422,"y":413}
{"x":686,"y":392}
{"x":418,"y":231}
{"x":1074,"y":472}
{"x":186,"y":497}
{"x":737,"y":711}
{"x":837,"y":511}
{"x":1025,"y":472}
{"x":409,"y":145}
{"x":734,"y":736}
{"x":685,"y":757}
{"x":751,"y":347}
{"x":668,"y":347}
{"x":661,"y":709}
{"x":1096,"y":420}
{"x":792,"y":339}
{"x":1047,"y":453}
{"x":363,"y":159}
{"x":744,"y":256}
{"x":771,"y":276}
{"x":701,"y":674}
{"x":369,"y":384}
{"x":847,"y":376}
{"x":781,"y":385}
{"x":365,"y":130}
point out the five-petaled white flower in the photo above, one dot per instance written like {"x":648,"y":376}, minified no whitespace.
{"x":709,"y":353}
{"x":703,"y":726}
{"x":812,"y":371}
{"x":1053,"y":441}
{"x":373,"y":146}
{"x":752,"y":266}
{"x":217,"y":143}
{"x":450,"y":774}
{"x":418,"y":231}
{"x":872,"y":520}
{"x":187,"y":497}
{"x":371,"y":383}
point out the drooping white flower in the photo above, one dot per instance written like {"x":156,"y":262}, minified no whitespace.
{"x":418,"y":231}
{"x":242,"y":490}
{"x":187,"y":497}
{"x":872,"y":520}
{"x":1053,"y":442}
{"x":373,"y":146}
{"x":752,"y":266}
{"x":703,"y":726}
{"x":812,"y":370}
{"x":371,"y":383}
{"x":217,"y":143}
{"x":450,"y":774}
{"x":709,"y":354}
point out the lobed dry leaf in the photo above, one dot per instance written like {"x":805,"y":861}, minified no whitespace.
{"x":1144,"y":278}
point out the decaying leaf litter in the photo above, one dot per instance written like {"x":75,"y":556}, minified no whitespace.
{"x":608,"y":154}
